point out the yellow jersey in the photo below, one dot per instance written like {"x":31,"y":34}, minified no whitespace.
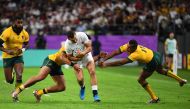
{"x":56,"y":57}
{"x":12,"y":41}
{"x":141,"y":54}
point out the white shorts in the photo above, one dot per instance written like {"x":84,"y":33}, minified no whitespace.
{"x":85,"y":60}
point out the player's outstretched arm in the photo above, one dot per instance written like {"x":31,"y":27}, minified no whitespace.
{"x":112,"y":54}
{"x":116,"y":63}
{"x":99,"y":56}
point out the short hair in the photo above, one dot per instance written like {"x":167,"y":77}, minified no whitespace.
{"x":17,"y":18}
{"x":133,"y":44}
{"x":70,"y":34}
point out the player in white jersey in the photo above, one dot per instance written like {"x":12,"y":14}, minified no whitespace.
{"x":170,"y":47}
{"x":78,"y":48}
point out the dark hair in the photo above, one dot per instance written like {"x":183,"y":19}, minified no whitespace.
{"x":133,"y":45}
{"x":70,"y":34}
{"x":17,"y":18}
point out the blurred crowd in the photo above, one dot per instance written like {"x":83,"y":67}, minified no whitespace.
{"x":103,"y":16}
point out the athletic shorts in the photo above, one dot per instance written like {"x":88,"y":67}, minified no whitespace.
{"x":10,"y":62}
{"x":85,"y":60}
{"x":55,"y":68}
{"x":154,"y":63}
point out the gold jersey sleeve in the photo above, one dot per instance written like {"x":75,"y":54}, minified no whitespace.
{"x":123,"y":48}
{"x":56,"y":57}
{"x":12,"y":41}
{"x":142,"y":54}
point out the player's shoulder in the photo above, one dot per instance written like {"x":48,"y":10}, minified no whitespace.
{"x":68,"y":43}
{"x":7,"y":30}
{"x":25,"y":32}
{"x":80,"y":34}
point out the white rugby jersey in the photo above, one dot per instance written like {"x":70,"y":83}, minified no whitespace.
{"x":72,"y":48}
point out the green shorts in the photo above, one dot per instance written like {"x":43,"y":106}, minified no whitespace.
{"x":10,"y":62}
{"x":154,"y":63}
{"x":55,"y":68}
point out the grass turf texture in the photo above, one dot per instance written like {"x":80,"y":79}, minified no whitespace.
{"x":118,"y":89}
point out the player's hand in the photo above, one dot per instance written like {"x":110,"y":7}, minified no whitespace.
{"x":18,"y":51}
{"x":80,"y":54}
{"x":101,"y":64}
{"x":10,"y":52}
{"x":102,"y":54}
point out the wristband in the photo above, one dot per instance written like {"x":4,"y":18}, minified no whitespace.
{"x":23,"y":49}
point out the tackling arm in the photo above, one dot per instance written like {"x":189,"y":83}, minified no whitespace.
{"x":117,"y":63}
{"x":112,"y":54}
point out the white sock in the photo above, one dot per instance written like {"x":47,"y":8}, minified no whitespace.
{"x":94,"y":87}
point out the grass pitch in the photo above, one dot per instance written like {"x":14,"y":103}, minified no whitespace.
{"x":118,"y":89}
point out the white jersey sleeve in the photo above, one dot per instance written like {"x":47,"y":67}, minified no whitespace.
{"x":83,"y":37}
{"x":68,"y":47}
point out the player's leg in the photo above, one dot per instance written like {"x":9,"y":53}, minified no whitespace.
{"x":142,"y":80}
{"x":91,"y":69}
{"x":18,"y":68}
{"x":79,"y":74}
{"x":8,"y":70}
{"x":9,"y":76}
{"x":60,"y":86}
{"x":169,"y":73}
{"x":80,"y":79}
{"x":44,"y":71}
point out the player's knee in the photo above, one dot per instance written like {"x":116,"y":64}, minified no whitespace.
{"x":141,"y":81}
{"x":162,"y":71}
{"x":61,"y":87}
{"x":92,"y":73}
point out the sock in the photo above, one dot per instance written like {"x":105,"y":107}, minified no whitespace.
{"x":172,"y":75}
{"x":20,"y":88}
{"x":18,"y":83}
{"x":41,"y":92}
{"x":150,"y":91}
{"x":82,"y":87}
{"x":95,"y":90}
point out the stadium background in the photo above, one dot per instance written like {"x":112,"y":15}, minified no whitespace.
{"x":115,"y":22}
{"x":108,"y":18}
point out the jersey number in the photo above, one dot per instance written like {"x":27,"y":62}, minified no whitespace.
{"x":143,"y":49}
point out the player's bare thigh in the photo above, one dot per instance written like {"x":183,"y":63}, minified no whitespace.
{"x":8,"y":73}
{"x":59,"y":80}
{"x":91,"y":67}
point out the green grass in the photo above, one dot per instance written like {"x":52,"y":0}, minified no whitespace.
{"x":118,"y":89}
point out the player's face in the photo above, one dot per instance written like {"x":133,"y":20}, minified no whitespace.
{"x":73,"y":40}
{"x":129,"y":48}
{"x":19,"y":23}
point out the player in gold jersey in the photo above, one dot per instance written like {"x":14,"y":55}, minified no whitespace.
{"x":13,"y":42}
{"x":142,"y":54}
{"x":51,"y":65}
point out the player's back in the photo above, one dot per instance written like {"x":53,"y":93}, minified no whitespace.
{"x":142,"y":54}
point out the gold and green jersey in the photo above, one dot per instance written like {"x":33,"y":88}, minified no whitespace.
{"x":56,"y":57}
{"x":141,"y":54}
{"x":12,"y":41}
